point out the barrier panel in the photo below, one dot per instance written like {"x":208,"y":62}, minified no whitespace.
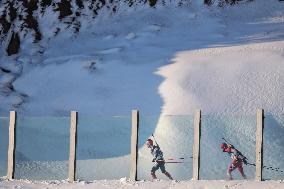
{"x":42,"y":148}
{"x":4,"y":140}
{"x":239,"y":131}
{"x":103,"y":147}
{"x":273,"y":147}
{"x":175,"y":138}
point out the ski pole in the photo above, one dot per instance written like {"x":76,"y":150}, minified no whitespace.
{"x":172,"y":161}
{"x":251,"y":164}
{"x":178,"y":158}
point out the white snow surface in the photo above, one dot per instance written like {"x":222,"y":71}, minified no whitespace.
{"x":229,"y":80}
{"x":124,"y":183}
{"x":118,"y":64}
{"x":164,"y":61}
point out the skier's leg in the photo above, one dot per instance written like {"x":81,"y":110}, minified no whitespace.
{"x":163,"y":169}
{"x":153,"y":170}
{"x":231,"y":167}
{"x":168,"y":175}
{"x":241,"y":170}
{"x":153,"y":175}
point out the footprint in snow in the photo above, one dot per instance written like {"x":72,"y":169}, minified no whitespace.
{"x":191,"y":16}
{"x":131,"y":36}
{"x":18,"y":101}
{"x":17,"y":187}
{"x":154,"y":27}
{"x":110,"y":51}
{"x":108,"y":37}
{"x":90,"y":65}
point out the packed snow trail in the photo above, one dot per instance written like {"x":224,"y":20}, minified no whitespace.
{"x":123,"y":183}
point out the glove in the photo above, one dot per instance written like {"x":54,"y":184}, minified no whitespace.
{"x":153,"y":160}
{"x":245,"y":161}
{"x":232,"y":166}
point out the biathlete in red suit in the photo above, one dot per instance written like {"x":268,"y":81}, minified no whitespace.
{"x":237,"y":160}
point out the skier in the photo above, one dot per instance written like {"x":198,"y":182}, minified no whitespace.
{"x":237,"y":160}
{"x":158,"y":158}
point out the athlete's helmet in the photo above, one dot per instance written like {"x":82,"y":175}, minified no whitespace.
{"x":149,"y":142}
{"x":223,"y":146}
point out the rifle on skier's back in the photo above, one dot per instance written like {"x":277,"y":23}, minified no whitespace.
{"x":243,"y":158}
{"x":155,"y":141}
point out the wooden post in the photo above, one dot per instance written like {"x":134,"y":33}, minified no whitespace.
{"x":196,"y":146}
{"x":259,"y":144}
{"x":11,"y":148}
{"x":73,"y":143}
{"x":134,"y":145}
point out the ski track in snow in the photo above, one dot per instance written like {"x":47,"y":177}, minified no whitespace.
{"x":110,"y":51}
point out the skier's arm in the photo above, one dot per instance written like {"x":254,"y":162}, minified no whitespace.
{"x":155,"y":154}
{"x":243,"y":158}
{"x":237,"y":155}
{"x":230,"y":145}
{"x":234,"y":155}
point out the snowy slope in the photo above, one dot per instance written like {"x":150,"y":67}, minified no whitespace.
{"x":125,"y":46}
{"x":238,"y":80}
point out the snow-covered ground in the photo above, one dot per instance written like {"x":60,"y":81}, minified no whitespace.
{"x":127,"y":184}
{"x":118,"y":64}
{"x":167,"y":62}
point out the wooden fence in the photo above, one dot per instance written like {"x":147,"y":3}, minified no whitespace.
{"x":134,"y":145}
